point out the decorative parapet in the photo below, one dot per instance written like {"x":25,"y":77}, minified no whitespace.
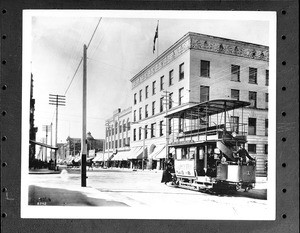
{"x":230,"y":47}
{"x":202,"y":42}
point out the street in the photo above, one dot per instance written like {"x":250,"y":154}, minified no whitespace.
{"x":125,"y":187}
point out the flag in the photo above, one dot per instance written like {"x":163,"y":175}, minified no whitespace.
{"x":155,"y":37}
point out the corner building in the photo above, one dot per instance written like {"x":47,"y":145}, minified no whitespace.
{"x":195,"y":69}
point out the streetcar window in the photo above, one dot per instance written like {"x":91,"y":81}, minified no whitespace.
{"x":192,"y":152}
{"x":178,"y":153}
{"x":184,"y":153}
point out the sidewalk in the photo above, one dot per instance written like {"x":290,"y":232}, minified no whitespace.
{"x":70,"y":196}
{"x":43,"y":171}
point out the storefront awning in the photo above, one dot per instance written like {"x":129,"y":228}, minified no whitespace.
{"x":100,"y":157}
{"x":137,"y":153}
{"x":162,"y":154}
{"x":156,"y":151}
{"x":121,"y":155}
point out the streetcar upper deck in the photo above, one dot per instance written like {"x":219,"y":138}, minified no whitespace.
{"x":207,"y":108}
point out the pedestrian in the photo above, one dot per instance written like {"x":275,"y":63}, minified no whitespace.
{"x":169,"y":169}
{"x":243,"y":154}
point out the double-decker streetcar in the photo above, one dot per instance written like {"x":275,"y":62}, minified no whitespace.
{"x":205,"y":139}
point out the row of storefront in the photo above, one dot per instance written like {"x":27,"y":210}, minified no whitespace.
{"x":135,"y":158}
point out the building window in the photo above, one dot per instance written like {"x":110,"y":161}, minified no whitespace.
{"x":204,"y":68}
{"x":252,"y":75}
{"x":235,"y":73}
{"x":134,"y":98}
{"x":180,"y":125}
{"x":170,"y":100}
{"x":267,"y":100}
{"x":252,"y":99}
{"x":112,"y":130}
{"x":267,"y":77}
{"x":204,"y":94}
{"x":146,"y":110}
{"x":120,"y":127}
{"x":235,"y":124}
{"x":140,"y":113}
{"x":146,"y":131}
{"x":116,"y":127}
{"x":124,"y":126}
{"x":153,"y":107}
{"x":170,"y":126}
{"x":141,"y":95}
{"x":146,"y":92}
{"x":266,"y":149}
{"x":161,"y":108}
{"x":180,"y":96}
{"x":154,"y":88}
{"x":116,"y":144}
{"x":134,"y":116}
{"x":171,"y":77}
{"x":161,"y":128}
{"x":266,"y":127}
{"x":161,"y":83}
{"x":124,"y":142}
{"x":128,"y":141}
{"x":140,"y":133}
{"x":252,"y":148}
{"x":120,"y":142}
{"x":251,"y":126}
{"x":152,"y":130}
{"x":235,"y":94}
{"x":128,"y":125}
{"x":181,"y":71}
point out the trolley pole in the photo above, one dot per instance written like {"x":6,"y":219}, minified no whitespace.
{"x":83,"y":140}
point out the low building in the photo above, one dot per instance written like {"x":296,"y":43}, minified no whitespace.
{"x":72,"y":147}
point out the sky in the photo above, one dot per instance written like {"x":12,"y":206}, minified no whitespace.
{"x":121,"y":47}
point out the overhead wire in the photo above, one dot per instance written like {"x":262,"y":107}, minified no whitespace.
{"x":82,"y":58}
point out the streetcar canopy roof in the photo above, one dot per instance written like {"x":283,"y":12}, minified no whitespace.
{"x":207,"y":108}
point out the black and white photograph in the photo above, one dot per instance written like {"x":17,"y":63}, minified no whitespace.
{"x":131,"y":114}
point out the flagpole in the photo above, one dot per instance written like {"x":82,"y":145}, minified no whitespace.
{"x":157,"y":37}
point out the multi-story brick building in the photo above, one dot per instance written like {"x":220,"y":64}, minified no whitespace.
{"x":73,"y":147}
{"x":195,"y":69}
{"x":117,"y":135}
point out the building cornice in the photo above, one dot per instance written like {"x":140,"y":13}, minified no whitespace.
{"x":197,"y":41}
{"x":229,"y":47}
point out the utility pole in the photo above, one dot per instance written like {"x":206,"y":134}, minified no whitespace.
{"x":167,"y":100}
{"x":47,"y":129}
{"x":57,"y":100}
{"x":83,"y":140}
{"x":51,"y":141}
